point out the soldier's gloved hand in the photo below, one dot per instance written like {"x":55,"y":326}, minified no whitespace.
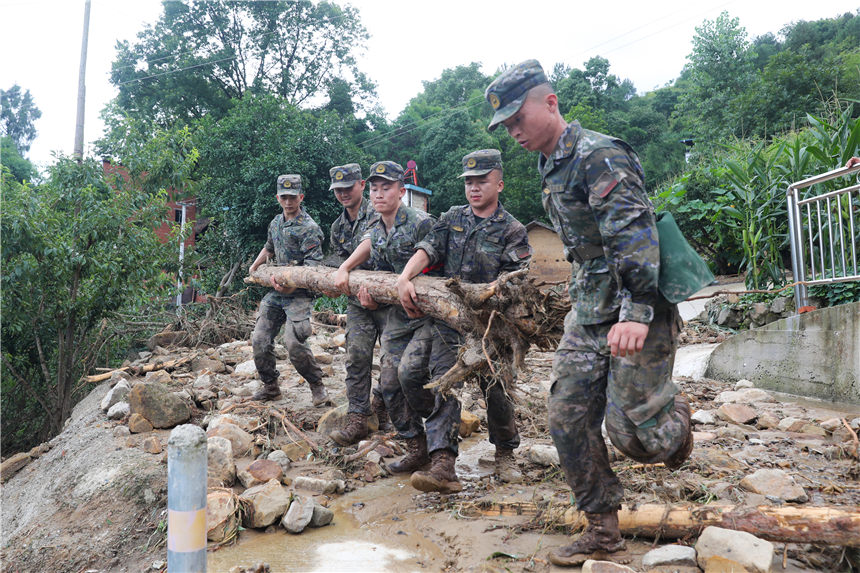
{"x":366,"y":300}
{"x":408,"y":298}
{"x":627,"y":338}
{"x":341,"y":280}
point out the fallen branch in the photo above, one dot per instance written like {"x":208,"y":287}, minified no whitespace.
{"x":145,"y":368}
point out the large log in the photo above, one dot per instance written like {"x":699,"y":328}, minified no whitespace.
{"x":789,"y":524}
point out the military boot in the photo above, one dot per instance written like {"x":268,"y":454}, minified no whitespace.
{"x":441,"y":477}
{"x":682,"y":407}
{"x":269,"y":391}
{"x":416,"y":456}
{"x":377,"y":406}
{"x":506,"y":466}
{"x":601,"y":540}
{"x":319,"y":395}
{"x":354,"y":430}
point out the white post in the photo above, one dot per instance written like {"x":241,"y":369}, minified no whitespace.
{"x":181,"y":257}
{"x":186,"y":500}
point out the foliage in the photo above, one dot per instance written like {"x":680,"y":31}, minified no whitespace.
{"x":18,"y":114}
{"x":19,"y":168}
{"x":337,"y":304}
{"x":835,"y":294}
{"x":75,"y":251}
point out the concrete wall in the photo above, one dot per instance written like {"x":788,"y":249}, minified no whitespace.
{"x":812,"y":354}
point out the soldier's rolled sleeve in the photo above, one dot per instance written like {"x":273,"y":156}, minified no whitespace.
{"x":628,"y":229}
{"x":435,"y":242}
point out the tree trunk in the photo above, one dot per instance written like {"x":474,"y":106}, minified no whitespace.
{"x":790,"y":524}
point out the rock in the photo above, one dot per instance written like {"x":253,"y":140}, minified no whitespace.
{"x":813,"y":430}
{"x":831,"y":424}
{"x":297,"y":450}
{"x":542,"y":454}
{"x":151,"y":445}
{"x":323,"y":358}
{"x":791,"y":424}
{"x":204,"y":364}
{"x":158,"y":377}
{"x":13,"y":464}
{"x":670,"y":555}
{"x":322,"y":516}
{"x":118,"y":393}
{"x":202,"y":382}
{"x":767,"y":421}
{"x":333,"y":474}
{"x":156,"y":403}
{"x":265,"y":470}
{"x":469,"y":423}
{"x":371,"y":471}
{"x":118,"y":411}
{"x":774,"y":482}
{"x":315,"y":485}
{"x":717,"y":564}
{"x":121,"y":431}
{"x":704,"y":436}
{"x":241,"y":440}
{"x":745,"y":396}
{"x":339,"y":340}
{"x":733,"y":432}
{"x":117,"y":376}
{"x":158,"y":565}
{"x":746,"y":549}
{"x":299,"y":514}
{"x":333,"y":419}
{"x":743,"y":383}
{"x":703,"y":417}
{"x":280,"y":458}
{"x":222,"y":515}
{"x":221,"y":469}
{"x":246,"y":369}
{"x":137,"y":424}
{"x":266,"y":504}
{"x":592,"y":566}
{"x":737,"y":413}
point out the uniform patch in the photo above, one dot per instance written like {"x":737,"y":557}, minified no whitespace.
{"x":604,"y":185}
{"x":457,"y":228}
{"x":522,"y":253}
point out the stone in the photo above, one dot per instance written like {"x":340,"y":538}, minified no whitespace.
{"x":222,"y":515}
{"x":202,"y":382}
{"x":156,"y":403}
{"x":717,"y":564}
{"x":372,"y":471}
{"x":210,"y":365}
{"x":151,"y":445}
{"x":831,"y":424}
{"x":704,"y":436}
{"x":746,"y":549}
{"x":323,"y":358}
{"x":744,"y":396}
{"x":117,"y":376}
{"x":767,"y":421}
{"x":280,"y":458}
{"x":733,"y":432}
{"x":322,"y":516}
{"x":813,"y":430}
{"x":158,"y":377}
{"x":774,"y":482}
{"x":299,"y":515}
{"x":592,"y":566}
{"x":743,"y":383}
{"x":118,"y":411}
{"x":221,"y":468}
{"x":265,"y":470}
{"x":247,"y":369}
{"x":737,"y":413}
{"x":791,"y":424}
{"x":266,"y":503}
{"x":13,"y":465}
{"x":542,"y":454}
{"x":121,"y":431}
{"x":469,"y":423}
{"x":118,"y":393}
{"x":241,"y":440}
{"x":339,"y":340}
{"x":315,"y":485}
{"x":703,"y":417}
{"x":333,"y":419}
{"x":297,"y":450}
{"x":670,"y":555}
{"x":137,"y":424}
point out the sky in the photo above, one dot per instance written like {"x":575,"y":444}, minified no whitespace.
{"x":411,"y":42}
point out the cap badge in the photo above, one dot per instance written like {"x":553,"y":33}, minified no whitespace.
{"x":287,"y":184}
{"x":380,"y":168}
{"x":494,"y":101}
{"x":471,"y":162}
{"x":339,"y":175}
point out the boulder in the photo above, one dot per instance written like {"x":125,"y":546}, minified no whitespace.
{"x":299,"y":515}
{"x":241,"y":440}
{"x":261,"y":471}
{"x":469,"y":423}
{"x":204,"y":364}
{"x":118,"y":393}
{"x":750,"y":552}
{"x":158,"y":377}
{"x":703,"y":417}
{"x":247,"y":369}
{"x":280,"y":458}
{"x":679,"y":555}
{"x":137,"y":424}
{"x":221,"y":469}
{"x":222,"y":515}
{"x":264,"y":504}
{"x":13,"y":464}
{"x":322,"y":516}
{"x":791,"y":424}
{"x":767,"y":421}
{"x":831,"y":424}
{"x":118,"y":411}
{"x":744,"y":396}
{"x":156,"y":403}
{"x":543,"y":454}
{"x":774,"y":482}
{"x":737,"y":413}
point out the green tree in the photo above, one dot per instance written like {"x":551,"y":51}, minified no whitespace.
{"x":18,"y":115}
{"x":19,"y":168}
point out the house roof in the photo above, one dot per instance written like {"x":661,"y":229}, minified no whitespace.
{"x":538,"y":224}
{"x":412,"y":187}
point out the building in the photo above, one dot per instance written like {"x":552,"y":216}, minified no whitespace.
{"x":548,"y":263}
{"x":417,"y":197}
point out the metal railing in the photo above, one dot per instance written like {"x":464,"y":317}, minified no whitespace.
{"x":824,"y":232}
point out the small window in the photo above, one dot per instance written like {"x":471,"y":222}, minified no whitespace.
{"x":177,"y":215}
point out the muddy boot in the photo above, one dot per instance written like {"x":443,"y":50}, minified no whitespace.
{"x":416,"y":456}
{"x":506,"y":466}
{"x":355,"y":429}
{"x":601,"y":540}
{"x":269,"y":391}
{"x":320,"y":396}
{"x":441,"y":477}
{"x":377,"y":405}
{"x":682,"y":406}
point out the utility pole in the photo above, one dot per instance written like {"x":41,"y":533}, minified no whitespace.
{"x":82,"y":88}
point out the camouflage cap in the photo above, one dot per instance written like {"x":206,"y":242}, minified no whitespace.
{"x":481,"y":162}
{"x":289,"y":185}
{"x":387,"y":170}
{"x":508,"y":91}
{"x":344,"y":175}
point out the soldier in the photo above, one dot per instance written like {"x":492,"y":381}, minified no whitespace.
{"x":405,"y":345}
{"x":363,"y":326}
{"x":615,"y":358}
{"x":294,"y":239}
{"x":476,"y":243}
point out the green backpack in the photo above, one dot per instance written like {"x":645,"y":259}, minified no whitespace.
{"x":682,"y":270}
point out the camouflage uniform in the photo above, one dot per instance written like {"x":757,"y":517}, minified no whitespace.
{"x":297,"y":241}
{"x":405,"y":344}
{"x":477,"y":251}
{"x":363,"y":326}
{"x":593,"y":191}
